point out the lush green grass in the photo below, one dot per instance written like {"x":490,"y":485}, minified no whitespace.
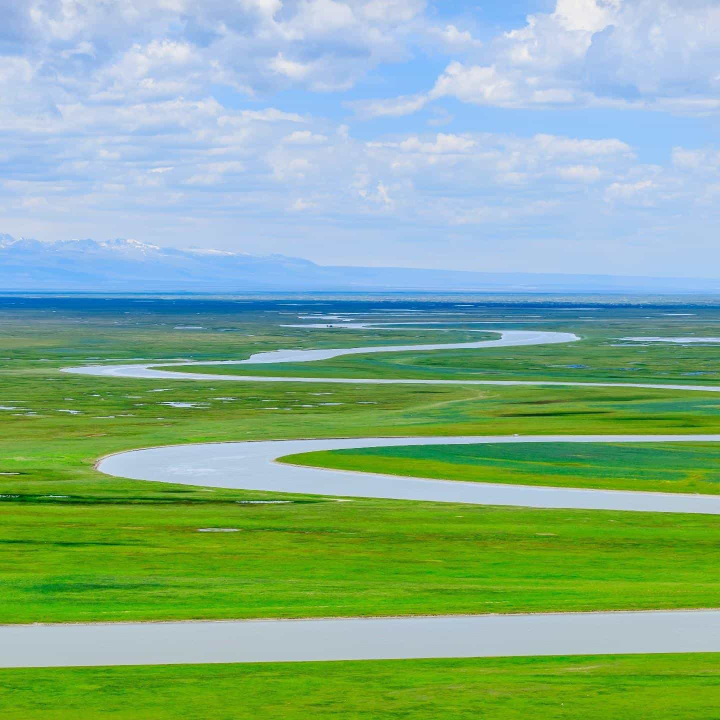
{"x":116,"y":549}
{"x":93,"y":558}
{"x":77,"y":545}
{"x":662,"y":687}
{"x":685,"y":468}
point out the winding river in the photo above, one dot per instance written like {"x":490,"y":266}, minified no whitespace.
{"x":508,"y":338}
{"x":252,"y":465}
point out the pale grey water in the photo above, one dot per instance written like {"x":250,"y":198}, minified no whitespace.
{"x":251,"y":466}
{"x":358,"y":638}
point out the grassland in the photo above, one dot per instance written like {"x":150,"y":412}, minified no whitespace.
{"x":602,"y":354}
{"x":691,"y":468}
{"x":78,"y":545}
{"x":662,"y":687}
{"x":143,"y":558}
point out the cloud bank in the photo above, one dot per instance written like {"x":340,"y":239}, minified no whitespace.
{"x":312,"y":127}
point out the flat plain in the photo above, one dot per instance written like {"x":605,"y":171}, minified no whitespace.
{"x":76,"y":545}
{"x":666,"y":687}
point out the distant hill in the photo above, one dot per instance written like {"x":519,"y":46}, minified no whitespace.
{"x":130,"y":266}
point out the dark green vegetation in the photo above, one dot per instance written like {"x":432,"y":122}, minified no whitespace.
{"x":691,"y":468}
{"x":662,"y":687}
{"x":77,"y":545}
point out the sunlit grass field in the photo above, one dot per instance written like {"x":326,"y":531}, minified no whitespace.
{"x":662,"y":687}
{"x":76,"y":545}
{"x":653,"y":467}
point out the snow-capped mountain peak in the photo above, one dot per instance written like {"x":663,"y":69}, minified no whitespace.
{"x":129,"y":245}
{"x":128,"y":265}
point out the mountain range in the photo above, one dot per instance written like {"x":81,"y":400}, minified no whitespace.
{"x":123,"y":265}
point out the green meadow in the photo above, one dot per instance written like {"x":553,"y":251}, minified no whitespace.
{"x":653,"y":467}
{"x":143,"y":557}
{"x":662,"y":687}
{"x":76,"y":545}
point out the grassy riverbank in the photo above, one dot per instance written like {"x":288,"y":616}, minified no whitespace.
{"x":663,"y":687}
{"x":684,"y":468}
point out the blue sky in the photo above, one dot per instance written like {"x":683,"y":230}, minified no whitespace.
{"x":558,"y":135}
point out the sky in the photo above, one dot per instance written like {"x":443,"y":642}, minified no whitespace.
{"x":503,"y":135}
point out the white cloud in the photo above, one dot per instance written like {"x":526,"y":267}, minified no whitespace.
{"x":270,"y":115}
{"x":443,"y":143}
{"x":641,"y":193}
{"x":581,"y":173}
{"x":175,"y":112}
{"x":453,"y":39}
{"x":207,"y":165}
{"x":476,"y":84}
{"x":392,"y":107}
{"x":305,"y":137}
{"x":144,"y":47}
{"x":321,"y":17}
{"x":378,"y":195}
{"x":558,"y":145}
{"x":662,"y":55}
{"x":620,"y":53}
{"x":300,"y":205}
{"x":390,"y":11}
{"x":586,"y":15}
{"x":290,"y":68}
{"x":706,"y":160}
{"x":289,"y":168}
